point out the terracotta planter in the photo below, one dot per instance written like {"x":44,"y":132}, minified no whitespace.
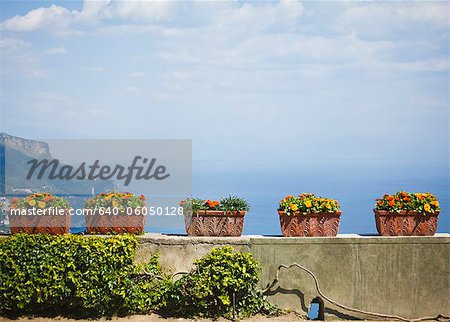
{"x":123,"y":222}
{"x":309,"y":225}
{"x":406,"y":223}
{"x":215,"y":223}
{"x":45,"y":223}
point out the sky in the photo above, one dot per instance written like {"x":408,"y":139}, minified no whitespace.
{"x":261,"y":83}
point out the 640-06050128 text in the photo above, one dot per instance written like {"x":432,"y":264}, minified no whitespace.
{"x":103,"y":211}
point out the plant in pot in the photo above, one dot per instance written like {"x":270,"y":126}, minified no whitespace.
{"x":214,"y":218}
{"x":115,"y":212}
{"x":39,"y":213}
{"x":308,"y":215}
{"x":407,"y":214}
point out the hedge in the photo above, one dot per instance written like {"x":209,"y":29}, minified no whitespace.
{"x":92,"y":276}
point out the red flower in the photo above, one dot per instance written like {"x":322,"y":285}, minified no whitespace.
{"x":14,"y":200}
{"x":48,"y":198}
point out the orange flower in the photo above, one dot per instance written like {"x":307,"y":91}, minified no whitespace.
{"x":13,"y":206}
{"x":390,"y":198}
{"x":404,"y":194}
{"x":406,"y":199}
{"x":391,"y":203}
{"x":48,"y":198}
{"x":212,"y":204}
{"x":142,"y":197}
{"x":435,"y":203}
{"x":14,"y":200}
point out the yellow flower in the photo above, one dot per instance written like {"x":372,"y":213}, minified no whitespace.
{"x":308,"y":203}
{"x":293,"y":206}
{"x":115,"y":203}
{"x":41,"y":204}
{"x":427,"y":207}
{"x":32,"y":202}
{"x":435,"y":203}
{"x":328,"y":206}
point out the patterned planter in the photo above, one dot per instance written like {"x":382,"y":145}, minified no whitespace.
{"x":45,"y":223}
{"x":121,"y":222}
{"x":406,"y":223}
{"x":309,"y":225}
{"x":215,"y":223}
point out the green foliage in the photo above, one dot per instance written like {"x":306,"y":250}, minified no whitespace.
{"x":233,"y":203}
{"x":92,"y":276}
{"x":73,"y":275}
{"x":227,"y":204}
{"x":208,"y":290}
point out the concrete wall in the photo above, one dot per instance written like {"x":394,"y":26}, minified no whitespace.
{"x":407,"y":276}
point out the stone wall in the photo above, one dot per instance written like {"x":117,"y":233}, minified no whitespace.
{"x":407,"y":276}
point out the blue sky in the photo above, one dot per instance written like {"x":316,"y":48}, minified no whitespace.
{"x":275,"y":81}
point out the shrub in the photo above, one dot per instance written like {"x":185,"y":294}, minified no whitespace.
{"x":208,"y":290}
{"x":91,"y":276}
{"x":73,"y":275}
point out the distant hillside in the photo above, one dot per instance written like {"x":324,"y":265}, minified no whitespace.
{"x":20,"y":151}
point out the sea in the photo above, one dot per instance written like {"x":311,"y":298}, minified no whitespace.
{"x":355,"y":186}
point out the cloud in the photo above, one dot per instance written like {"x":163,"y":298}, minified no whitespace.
{"x":56,"y":51}
{"x":97,"y":69}
{"x":18,"y":57}
{"x":57,"y":19}
{"x":52,"y":17}
{"x":11,"y":45}
{"x":132,"y":89}
{"x":137,"y":75}
{"x":398,"y":15}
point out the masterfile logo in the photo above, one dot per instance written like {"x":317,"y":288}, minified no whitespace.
{"x":141,"y":168}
